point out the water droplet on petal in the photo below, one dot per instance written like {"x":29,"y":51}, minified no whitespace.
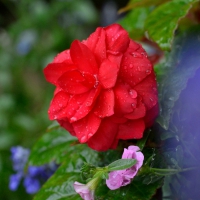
{"x":83,"y":139}
{"x":73,"y":119}
{"x":133,"y":93}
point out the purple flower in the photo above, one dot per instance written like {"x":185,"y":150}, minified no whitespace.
{"x":14,"y":181}
{"x":121,"y":178}
{"x":31,"y":184}
{"x":84,"y":190}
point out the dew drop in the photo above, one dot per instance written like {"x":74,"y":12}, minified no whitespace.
{"x":131,"y":66}
{"x":83,"y":139}
{"x":133,"y":93}
{"x":73,"y":119}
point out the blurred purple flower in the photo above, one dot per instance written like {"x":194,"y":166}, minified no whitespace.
{"x":121,"y":178}
{"x":84,"y":191}
{"x":33,"y":177}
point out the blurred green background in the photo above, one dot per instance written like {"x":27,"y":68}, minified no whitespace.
{"x":31,"y":34}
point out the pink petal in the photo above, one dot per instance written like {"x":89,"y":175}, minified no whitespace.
{"x":131,"y":130}
{"x":104,"y":137}
{"x":117,"y":39}
{"x":147,"y":89}
{"x":83,"y":58}
{"x":125,"y":102}
{"x":108,"y":73}
{"x":57,"y":109}
{"x":115,"y":180}
{"x":85,"y":128}
{"x":74,"y":82}
{"x":53,"y":71}
{"x":105,"y":104}
{"x":96,"y":43}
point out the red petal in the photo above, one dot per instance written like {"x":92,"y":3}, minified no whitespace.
{"x":57,"y":109}
{"x":86,"y":127}
{"x":104,"y":137}
{"x":63,"y":57}
{"x":124,"y":101}
{"x":151,"y":115}
{"x":134,"y":68}
{"x":117,"y":38}
{"x":74,"y":82}
{"x":108,"y":74}
{"x":80,"y":105}
{"x":105,"y":105}
{"x":147,"y":89}
{"x":53,"y":71}
{"x":138,"y":112}
{"x":66,"y":125}
{"x":97,"y":44}
{"x":133,"y":129}
{"x":83,"y":58}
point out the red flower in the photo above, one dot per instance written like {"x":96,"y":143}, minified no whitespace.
{"x":105,"y":89}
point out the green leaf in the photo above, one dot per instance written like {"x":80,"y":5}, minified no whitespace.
{"x":60,"y":185}
{"x":141,"y":3}
{"x":134,"y":22}
{"x":137,"y":190}
{"x":52,"y":146}
{"x":182,"y":63}
{"x":163,"y":21}
{"x":121,"y":164}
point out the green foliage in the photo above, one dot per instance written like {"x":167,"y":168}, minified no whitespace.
{"x":163,"y":21}
{"x":121,"y":164}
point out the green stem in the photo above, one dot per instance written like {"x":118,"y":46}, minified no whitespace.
{"x":164,"y":172}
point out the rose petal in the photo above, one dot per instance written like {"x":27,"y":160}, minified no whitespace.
{"x":65,"y":124}
{"x":147,"y":89}
{"x":138,"y":112}
{"x":105,"y":104}
{"x":108,"y":73}
{"x":85,"y":128}
{"x":151,"y":115}
{"x":53,"y":71}
{"x":104,"y":137}
{"x":83,"y":58}
{"x":117,"y":39}
{"x":131,"y":130}
{"x":74,"y":82}
{"x":125,"y":102}
{"x":58,"y":106}
{"x":64,"y":56}
{"x":80,"y":105}
{"x":96,"y":43}
{"x":134,"y":68}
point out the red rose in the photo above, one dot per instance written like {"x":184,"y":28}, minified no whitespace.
{"x":105,"y":89}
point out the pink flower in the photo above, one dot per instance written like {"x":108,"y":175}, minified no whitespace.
{"x":121,"y":178}
{"x":84,"y":190}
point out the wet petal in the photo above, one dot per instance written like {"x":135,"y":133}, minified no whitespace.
{"x":104,"y":137}
{"x":138,"y":112}
{"x":131,"y":130}
{"x":147,"y":89}
{"x":74,"y":82}
{"x":64,"y":56}
{"x":105,"y":104}
{"x":117,"y":39}
{"x":65,"y":124}
{"x":85,"y":128}
{"x":108,"y":73}
{"x":96,"y":43}
{"x":83,"y":58}
{"x":53,"y":71}
{"x":125,"y":102}
{"x":135,"y":67}
{"x":58,"y":106}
